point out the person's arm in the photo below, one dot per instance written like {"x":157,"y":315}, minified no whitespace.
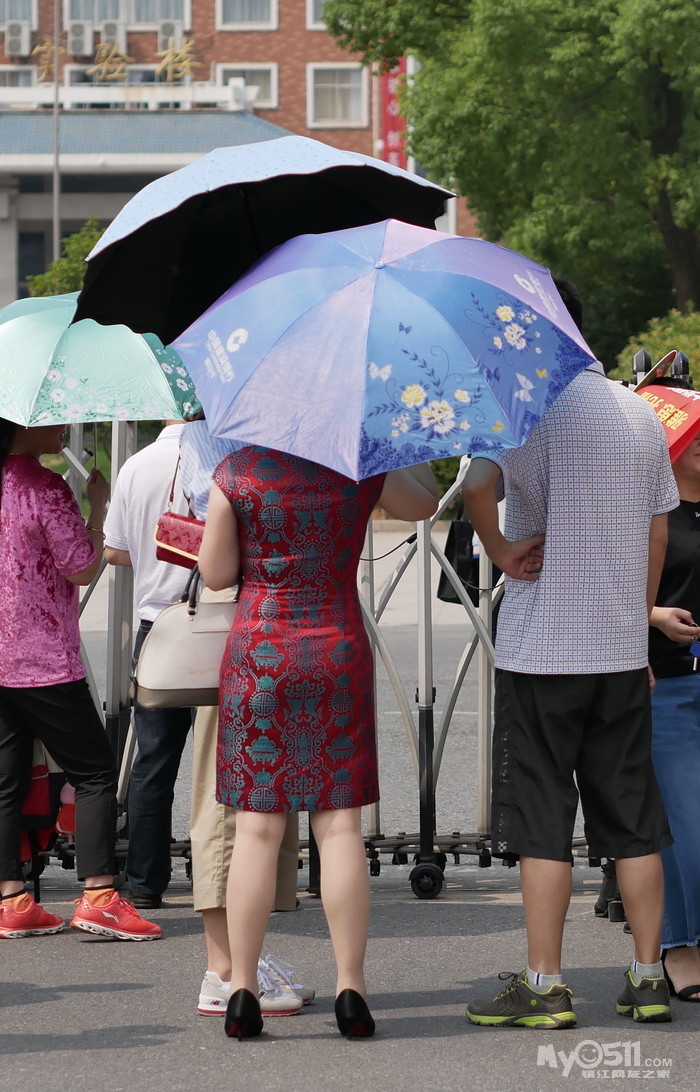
{"x":410,"y":493}
{"x":97,"y":489}
{"x":658,"y":539}
{"x":219,"y":554}
{"x":521,"y":559}
{"x":117,"y":557}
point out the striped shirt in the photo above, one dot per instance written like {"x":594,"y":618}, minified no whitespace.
{"x":200,"y":454}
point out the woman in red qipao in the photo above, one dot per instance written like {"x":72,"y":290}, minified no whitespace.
{"x":296,"y":721}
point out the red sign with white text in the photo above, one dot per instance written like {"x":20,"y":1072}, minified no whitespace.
{"x":393,"y":125}
{"x":679,"y":413}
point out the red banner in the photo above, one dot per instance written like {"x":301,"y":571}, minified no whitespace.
{"x":679,"y":413}
{"x":393,"y":125}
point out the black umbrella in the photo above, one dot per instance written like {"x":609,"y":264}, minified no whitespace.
{"x":182,"y":240}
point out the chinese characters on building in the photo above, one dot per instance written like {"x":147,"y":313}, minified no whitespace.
{"x":177,"y":61}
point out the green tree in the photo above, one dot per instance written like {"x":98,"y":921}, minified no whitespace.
{"x":573,"y":130}
{"x":672,"y":331}
{"x":66,"y":274}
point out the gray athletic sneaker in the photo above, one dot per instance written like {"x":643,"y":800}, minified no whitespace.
{"x":647,"y":1003}
{"x":521,"y":1006}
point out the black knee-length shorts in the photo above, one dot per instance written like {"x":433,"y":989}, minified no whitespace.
{"x":560,"y":736}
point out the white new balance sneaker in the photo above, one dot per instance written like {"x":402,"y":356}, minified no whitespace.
{"x":213,"y":995}
{"x":283,"y":975}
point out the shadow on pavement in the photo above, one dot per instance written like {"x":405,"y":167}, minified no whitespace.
{"x":109,"y":1038}
{"x":26,"y":993}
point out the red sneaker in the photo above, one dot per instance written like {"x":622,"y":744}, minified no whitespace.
{"x":27,"y":920}
{"x":117,"y":918}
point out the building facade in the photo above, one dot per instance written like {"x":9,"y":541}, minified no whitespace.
{"x":140,"y":87}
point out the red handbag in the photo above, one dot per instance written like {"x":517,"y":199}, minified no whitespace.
{"x":178,"y":538}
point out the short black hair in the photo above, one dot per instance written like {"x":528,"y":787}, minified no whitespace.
{"x":570,"y":295}
{"x":7,"y":436}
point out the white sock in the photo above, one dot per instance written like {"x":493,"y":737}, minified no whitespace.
{"x":218,"y":981}
{"x":638,"y":970}
{"x":542,"y":982}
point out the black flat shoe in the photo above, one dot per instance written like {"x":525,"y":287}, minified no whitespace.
{"x":686,"y":994}
{"x":352,"y":1015}
{"x":243,"y":1019}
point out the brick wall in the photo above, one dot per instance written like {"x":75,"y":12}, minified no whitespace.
{"x":291,"y":47}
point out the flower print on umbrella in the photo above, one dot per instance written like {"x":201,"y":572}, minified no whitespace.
{"x":434,"y":409}
{"x":515,"y":335}
{"x":509,"y":326}
{"x":438,"y":416}
{"x":414,"y":395}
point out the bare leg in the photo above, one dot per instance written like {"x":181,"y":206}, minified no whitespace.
{"x":216,"y":938}
{"x":11,"y":887}
{"x":251,"y":891}
{"x":641,"y":883}
{"x":683,"y":967}
{"x":344,"y":891}
{"x":546,"y":888}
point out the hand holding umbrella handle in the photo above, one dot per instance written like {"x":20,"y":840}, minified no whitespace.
{"x":97,"y":489}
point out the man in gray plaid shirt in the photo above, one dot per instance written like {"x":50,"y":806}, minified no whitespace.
{"x":582,"y":549}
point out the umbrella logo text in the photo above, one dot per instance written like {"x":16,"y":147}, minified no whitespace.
{"x":236,"y":339}
{"x":217,"y":362}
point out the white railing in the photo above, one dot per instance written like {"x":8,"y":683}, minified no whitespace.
{"x":233,"y":96}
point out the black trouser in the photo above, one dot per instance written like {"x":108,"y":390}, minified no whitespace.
{"x":161,"y":735}
{"x":64,"y":718}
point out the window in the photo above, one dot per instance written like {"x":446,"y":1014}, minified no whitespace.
{"x":17,"y":9}
{"x":247,"y":14}
{"x":16,"y":77}
{"x":150,"y":12}
{"x":96,"y":11}
{"x":31,"y":257}
{"x":136,"y":75}
{"x":337,"y":96}
{"x":314,"y":14}
{"x":262,"y":76}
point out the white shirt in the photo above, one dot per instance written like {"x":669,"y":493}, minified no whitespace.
{"x":590,"y":477}
{"x":139,"y":497}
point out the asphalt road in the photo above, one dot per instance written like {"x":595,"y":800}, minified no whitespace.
{"x":81,"y":1014}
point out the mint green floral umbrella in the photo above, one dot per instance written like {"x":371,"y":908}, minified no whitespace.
{"x":30,"y":304}
{"x":55,"y":372}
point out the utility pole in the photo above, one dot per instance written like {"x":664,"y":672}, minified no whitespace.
{"x":56,"y":218}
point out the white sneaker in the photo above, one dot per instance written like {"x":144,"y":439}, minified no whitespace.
{"x":282,"y":974}
{"x":273,"y":1000}
{"x":213,"y":996}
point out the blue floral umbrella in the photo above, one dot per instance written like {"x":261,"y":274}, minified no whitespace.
{"x":384,"y":346}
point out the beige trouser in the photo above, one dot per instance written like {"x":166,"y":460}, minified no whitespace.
{"x":213,"y":825}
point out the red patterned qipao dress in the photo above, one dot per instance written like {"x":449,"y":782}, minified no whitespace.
{"x":296,"y":702}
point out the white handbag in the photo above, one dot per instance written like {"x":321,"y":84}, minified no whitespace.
{"x":180,"y":658}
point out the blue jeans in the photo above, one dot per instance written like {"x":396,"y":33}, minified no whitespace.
{"x":675,"y":707}
{"x":161,"y":735}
